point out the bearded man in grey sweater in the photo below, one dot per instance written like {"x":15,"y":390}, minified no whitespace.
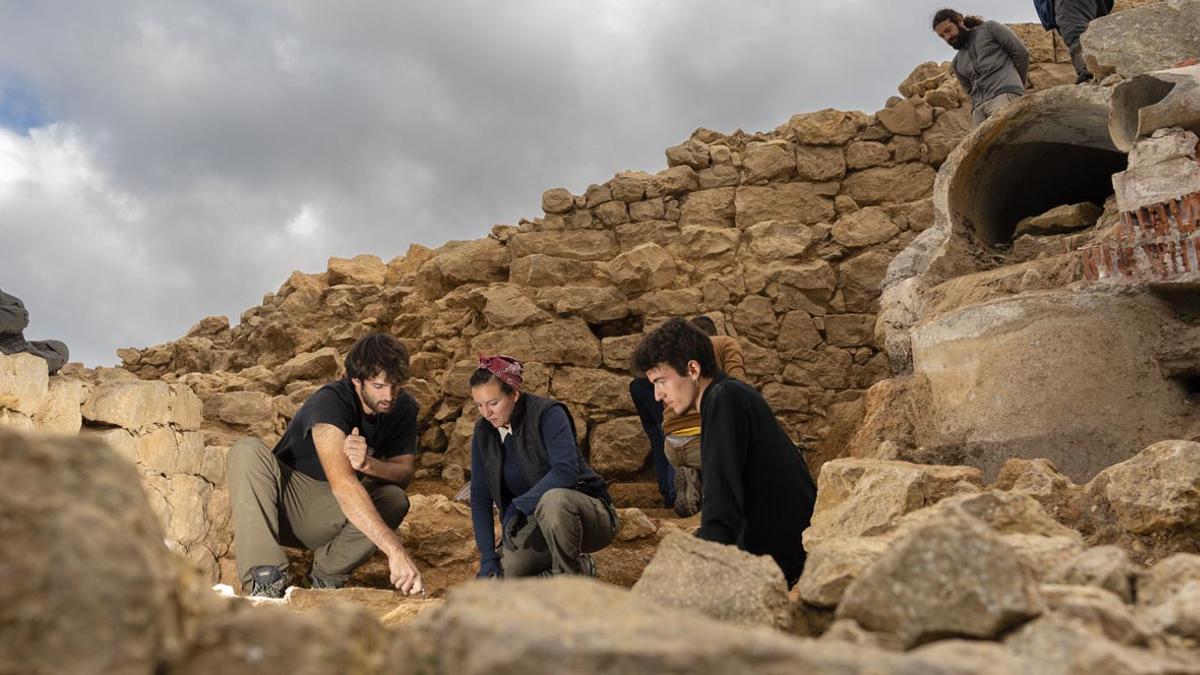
{"x":992,"y":64}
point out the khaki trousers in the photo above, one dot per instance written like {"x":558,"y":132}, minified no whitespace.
{"x":991,"y":107}
{"x":682,"y":451}
{"x":566,"y":524}
{"x":275,"y":505}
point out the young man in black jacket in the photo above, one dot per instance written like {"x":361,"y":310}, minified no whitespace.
{"x":758,"y":492}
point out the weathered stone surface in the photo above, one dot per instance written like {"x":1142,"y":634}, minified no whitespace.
{"x":1039,"y":479}
{"x":24,"y":383}
{"x":1007,"y":513}
{"x":132,"y":405}
{"x":923,"y":78}
{"x":599,"y":390}
{"x":60,"y":413}
{"x":1099,"y":610}
{"x":360,"y":270}
{"x":709,"y":248}
{"x":797,"y":332}
{"x":901,"y":183}
{"x":323,"y":364}
{"x":506,"y":306}
{"x":820,"y":162}
{"x":795,"y":202}
{"x":75,"y":513}
{"x":708,"y":208}
{"x":674,"y":180}
{"x":691,"y":152}
{"x":1060,"y":645}
{"x":719,"y":581}
{"x":866,"y":154}
{"x":908,"y":117}
{"x":1155,"y":491}
{"x":437,"y":531}
{"x":947,"y":131}
{"x":574,"y":245}
{"x":619,"y":447}
{"x":646,"y":267}
{"x":865,"y":227}
{"x":1153,"y":37}
{"x":557,"y":200}
{"x":630,"y":186}
{"x":833,"y":564}
{"x":864,"y":497}
{"x":567,"y":341}
{"x":668,"y":302}
{"x":1157,"y":584}
{"x":541,"y":270}
{"x":779,"y":240}
{"x":768,"y":161}
{"x":650,"y":209}
{"x":458,"y":263}
{"x":591,"y":303}
{"x":1106,"y":567}
{"x":849,"y":330}
{"x":634,"y":524}
{"x":247,"y":409}
{"x":618,"y":351}
{"x":861,"y":277}
{"x":580,"y":626}
{"x":951,"y":577}
{"x":827,"y":127}
{"x":1177,"y":615}
{"x":1060,"y":219}
{"x":754,"y":317}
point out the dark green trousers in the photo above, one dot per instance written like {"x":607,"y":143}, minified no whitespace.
{"x":274,"y":505}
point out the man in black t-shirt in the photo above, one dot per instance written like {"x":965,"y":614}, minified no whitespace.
{"x":334,"y":482}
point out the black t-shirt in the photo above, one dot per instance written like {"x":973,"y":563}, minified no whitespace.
{"x":337,"y":403}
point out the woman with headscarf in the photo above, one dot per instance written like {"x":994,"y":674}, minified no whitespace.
{"x":554,"y":508}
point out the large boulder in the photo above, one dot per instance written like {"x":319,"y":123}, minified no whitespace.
{"x":131,"y":405}
{"x":901,"y":183}
{"x":1149,"y":504}
{"x":575,"y":244}
{"x":644,"y":268}
{"x":719,"y":581}
{"x":361,"y":270}
{"x":619,"y":447}
{"x":1155,"y":36}
{"x":951,"y":577}
{"x":581,"y":626}
{"x":90,"y":585}
{"x":827,"y":127}
{"x":833,"y":564}
{"x":866,"y":497}
{"x":796,"y":202}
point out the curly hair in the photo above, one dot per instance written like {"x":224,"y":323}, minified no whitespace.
{"x":375,"y":354}
{"x":955,"y":17}
{"x":675,"y":343}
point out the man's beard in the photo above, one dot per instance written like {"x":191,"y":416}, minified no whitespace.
{"x":375,"y":404}
{"x":960,"y":41}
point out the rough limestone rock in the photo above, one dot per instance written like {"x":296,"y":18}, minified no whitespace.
{"x":321,"y":365}
{"x":1060,"y":645}
{"x":1106,"y":567}
{"x":619,"y":447}
{"x":60,"y":412}
{"x":907,"y":118}
{"x":557,"y":200}
{"x":24,"y":383}
{"x":341,"y":638}
{"x":866,"y":227}
{"x":91,"y":588}
{"x":1041,"y":480}
{"x":1147,"y":505}
{"x":360,"y":270}
{"x":1099,"y":610}
{"x":951,"y":577}
{"x":1178,"y":614}
{"x":505,"y":306}
{"x":902,"y":183}
{"x":576,"y":245}
{"x":717,"y":580}
{"x":132,"y":405}
{"x":437,"y":531}
{"x":581,"y":626}
{"x":865,"y":497}
{"x":1144,"y":39}
{"x":833,"y":564}
{"x":820,"y":162}
{"x":645,"y":268}
{"x":1164,"y":579}
{"x":827,"y":127}
{"x":1060,"y":219}
{"x":766,"y":161}
{"x":634,"y":524}
{"x":797,"y":202}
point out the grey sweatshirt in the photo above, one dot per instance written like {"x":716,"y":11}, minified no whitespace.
{"x":994,"y":62}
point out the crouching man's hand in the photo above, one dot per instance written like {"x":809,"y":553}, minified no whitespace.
{"x":404,"y":574}
{"x":355,"y":447}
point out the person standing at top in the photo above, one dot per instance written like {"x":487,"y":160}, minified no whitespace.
{"x":992,"y":64}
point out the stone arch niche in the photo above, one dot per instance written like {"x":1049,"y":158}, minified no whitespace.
{"x":1048,"y":148}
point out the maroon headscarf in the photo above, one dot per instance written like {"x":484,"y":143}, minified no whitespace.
{"x":505,"y":368}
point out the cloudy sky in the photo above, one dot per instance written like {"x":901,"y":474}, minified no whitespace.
{"x":162,"y":161}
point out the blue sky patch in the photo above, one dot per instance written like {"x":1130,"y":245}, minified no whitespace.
{"x":20,"y":109}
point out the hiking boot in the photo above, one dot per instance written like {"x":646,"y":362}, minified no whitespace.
{"x":318,"y":584}
{"x":687,"y":491}
{"x":587,"y":565}
{"x":267,"y":581}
